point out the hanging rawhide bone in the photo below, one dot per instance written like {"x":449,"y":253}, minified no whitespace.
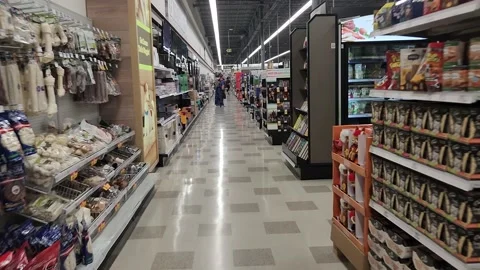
{"x":50,"y":83}
{"x":47,"y":41}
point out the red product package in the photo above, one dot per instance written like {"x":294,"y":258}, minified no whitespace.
{"x":6,"y":259}
{"x":19,"y":259}
{"x":393,"y":70}
{"x":48,"y":259}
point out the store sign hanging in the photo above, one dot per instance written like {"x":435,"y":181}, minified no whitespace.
{"x":274,"y":74}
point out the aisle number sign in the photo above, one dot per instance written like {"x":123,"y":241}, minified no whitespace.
{"x":274,"y":74}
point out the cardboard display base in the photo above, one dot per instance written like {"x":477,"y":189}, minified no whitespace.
{"x":344,"y":246}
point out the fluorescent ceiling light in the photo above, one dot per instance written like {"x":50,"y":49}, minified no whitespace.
{"x":275,"y":57}
{"x":279,"y":30}
{"x":213,"y":10}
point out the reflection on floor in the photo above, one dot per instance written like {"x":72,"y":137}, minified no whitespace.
{"x":227,"y":201}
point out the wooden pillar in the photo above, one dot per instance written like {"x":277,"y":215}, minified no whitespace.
{"x":136,"y":106}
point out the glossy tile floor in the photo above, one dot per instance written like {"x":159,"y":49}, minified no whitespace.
{"x":227,"y":201}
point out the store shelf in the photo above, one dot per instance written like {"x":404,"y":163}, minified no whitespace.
{"x":358,"y":244}
{"x":298,"y":133}
{"x":168,"y":120}
{"x":434,"y":21}
{"x":105,"y":241}
{"x":301,"y":111}
{"x":101,"y":218}
{"x":429,"y":206}
{"x":363,"y":99}
{"x":423,"y":239}
{"x":174,"y":94}
{"x":360,"y":115}
{"x":291,"y":158}
{"x":446,"y":136}
{"x":450,"y":97}
{"x":439,"y":175}
{"x":362,"y":80}
{"x":75,"y":168}
{"x":350,"y":165}
{"x":351,"y":201}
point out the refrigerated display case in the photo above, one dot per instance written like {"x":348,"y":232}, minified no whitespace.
{"x":362,"y":64}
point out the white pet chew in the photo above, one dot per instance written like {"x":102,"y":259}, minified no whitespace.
{"x":62,"y":35}
{"x":42,"y":95}
{"x":60,"y":89}
{"x":55,"y":38}
{"x":31,"y":80}
{"x":38,"y":37}
{"x":47,"y":41}
{"x":52,"y":103}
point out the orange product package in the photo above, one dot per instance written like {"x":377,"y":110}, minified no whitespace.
{"x":393,"y":69}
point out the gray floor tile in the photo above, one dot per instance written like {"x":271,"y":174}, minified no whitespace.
{"x":239,"y":179}
{"x":234,"y":149}
{"x":253,"y":257}
{"x":216,"y":170}
{"x":301,"y":205}
{"x":177,"y":172}
{"x":273,"y":160}
{"x":282,"y":178}
{"x":324,"y":255}
{"x":281,"y":227}
{"x":148,"y":232}
{"x":234,"y":162}
{"x":186,"y":157}
{"x":266,"y":191}
{"x":198,"y":181}
{"x":173,"y":260}
{"x":265,"y":148}
{"x":166,"y":194}
{"x":187,"y":210}
{"x":252,"y":154}
{"x":199,"y":163}
{"x":316,"y":189}
{"x":244,"y":207}
{"x":216,"y":192}
{"x":215,"y":229}
{"x":247,"y":144}
{"x":257,"y":169}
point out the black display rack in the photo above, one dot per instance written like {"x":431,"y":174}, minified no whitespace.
{"x":313,"y":94}
{"x":277,"y":112}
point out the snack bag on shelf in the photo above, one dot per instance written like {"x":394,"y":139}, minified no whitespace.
{"x":431,"y":6}
{"x":383,"y":17}
{"x":410,"y":61}
{"x":393,"y":70}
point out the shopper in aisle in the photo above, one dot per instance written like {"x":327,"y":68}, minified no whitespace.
{"x":219,"y":91}
{"x":228,"y":83}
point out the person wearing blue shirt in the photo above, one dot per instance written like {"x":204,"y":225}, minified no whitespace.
{"x":219,"y":91}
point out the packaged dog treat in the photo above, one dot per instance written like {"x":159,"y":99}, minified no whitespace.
{"x":400,"y":204}
{"x":410,"y":60}
{"x":469,"y":209}
{"x":393,"y":69}
{"x":376,"y":262}
{"x":471,"y":160}
{"x":392,"y":260}
{"x":458,"y":78}
{"x":447,"y":79}
{"x":403,"y":114}
{"x":378,"y":225}
{"x":389,"y":171}
{"x":389,"y":196}
{"x":434,"y":63}
{"x":419,"y":145}
{"x":419,"y":116}
{"x":418,"y":186}
{"x":402,"y":11}
{"x":402,"y":177}
{"x":375,"y":245}
{"x":377,"y":191}
{"x":377,"y":167}
{"x":455,"y":158}
{"x":390,"y":137}
{"x":452,"y":201}
{"x":439,"y":152}
{"x":417,"y":8}
{"x":453,"y":53}
{"x":439,"y":118}
{"x":433,"y":223}
{"x":431,"y":6}
{"x":457,"y":121}
{"x":383,"y":17}
{"x":419,"y":213}
{"x":400,"y":243}
{"x":390,"y":112}
{"x":449,"y":3}
{"x":473,"y":126}
{"x":424,"y":259}
{"x":378,"y":134}
{"x":474,"y":78}
{"x":468,"y":243}
{"x":435,"y":193}
{"x":377,"y":111}
{"x":474,"y":51}
{"x":403,"y":141}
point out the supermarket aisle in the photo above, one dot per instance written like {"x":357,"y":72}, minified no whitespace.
{"x":226,"y":201}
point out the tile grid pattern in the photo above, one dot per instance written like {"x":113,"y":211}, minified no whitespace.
{"x":227,"y":201}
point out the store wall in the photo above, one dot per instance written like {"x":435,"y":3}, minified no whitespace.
{"x":78,"y":6}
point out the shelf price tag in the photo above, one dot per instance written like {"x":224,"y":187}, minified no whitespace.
{"x":117,"y":207}
{"x":102,"y":226}
{"x":93,"y":162}
{"x":73,"y":176}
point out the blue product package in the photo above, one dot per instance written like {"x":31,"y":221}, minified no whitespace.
{"x":9,"y":141}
